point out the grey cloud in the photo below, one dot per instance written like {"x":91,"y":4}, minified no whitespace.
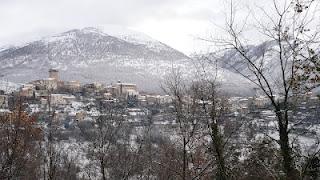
{"x":23,"y":20}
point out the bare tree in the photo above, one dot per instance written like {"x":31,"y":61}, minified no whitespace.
{"x":104,"y":136}
{"x":294,"y":42}
{"x":176,"y":88}
{"x":215,"y":109}
{"x":199,"y":114}
{"x":18,"y":145}
{"x":51,"y":153}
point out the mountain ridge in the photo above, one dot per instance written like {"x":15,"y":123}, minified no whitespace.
{"x":88,"y":55}
{"x":91,"y":54}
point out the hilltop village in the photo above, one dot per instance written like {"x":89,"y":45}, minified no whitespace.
{"x":74,"y":116}
{"x":72,"y":101}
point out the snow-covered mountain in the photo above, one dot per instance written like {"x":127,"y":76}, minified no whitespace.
{"x":109,"y":54}
{"x":266,"y":57}
{"x":92,"y":54}
{"x":131,"y":36}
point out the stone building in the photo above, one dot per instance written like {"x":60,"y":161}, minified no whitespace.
{"x":54,"y":74}
{"x":125,"y":89}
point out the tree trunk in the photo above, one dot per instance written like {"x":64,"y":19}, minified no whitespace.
{"x":184,"y":159}
{"x":218,"y":148}
{"x":287,"y":160}
{"x":102,"y":169}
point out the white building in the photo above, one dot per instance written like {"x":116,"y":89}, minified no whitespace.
{"x":61,"y":99}
{"x":73,"y":85}
{"x":57,"y":99}
{"x":261,"y":101}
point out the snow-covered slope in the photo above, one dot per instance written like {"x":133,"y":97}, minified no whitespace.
{"x":107,"y":54}
{"x":132,"y":36}
{"x":92,"y":54}
{"x":266,"y":57}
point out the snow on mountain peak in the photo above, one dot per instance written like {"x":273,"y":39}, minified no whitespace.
{"x":128,"y":35}
{"x":119,"y":32}
{"x":124,"y":33}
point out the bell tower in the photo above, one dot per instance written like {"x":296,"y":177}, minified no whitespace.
{"x":54,"y":74}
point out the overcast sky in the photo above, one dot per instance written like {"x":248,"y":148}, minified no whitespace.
{"x":178,"y":23}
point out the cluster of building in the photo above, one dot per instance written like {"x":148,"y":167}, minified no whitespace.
{"x":244,"y":105}
{"x":76,"y":101}
{"x":259,"y":102}
{"x":72,"y":101}
{"x":44,"y":87}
